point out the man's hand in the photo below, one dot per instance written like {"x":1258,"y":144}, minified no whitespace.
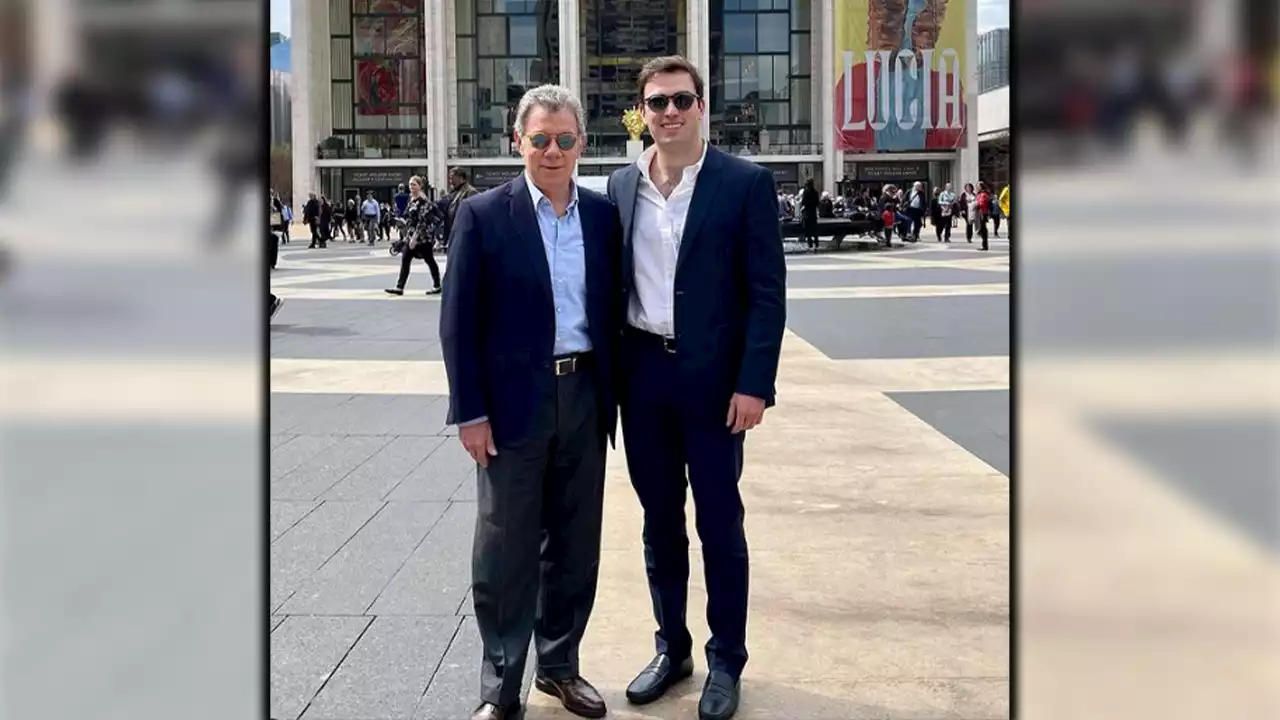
{"x":478,"y":440}
{"x":745,"y":412}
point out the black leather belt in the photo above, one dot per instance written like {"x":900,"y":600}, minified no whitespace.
{"x":569,"y":364}
{"x":668,"y":343}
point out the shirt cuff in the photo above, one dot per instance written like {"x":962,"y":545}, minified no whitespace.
{"x":477,"y":421}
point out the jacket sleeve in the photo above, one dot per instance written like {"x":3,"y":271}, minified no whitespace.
{"x":460,"y":311}
{"x":766,"y":281}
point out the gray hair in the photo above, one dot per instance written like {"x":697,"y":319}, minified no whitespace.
{"x":552,"y":98}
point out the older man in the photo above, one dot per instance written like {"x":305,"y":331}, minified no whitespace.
{"x":528,"y":326}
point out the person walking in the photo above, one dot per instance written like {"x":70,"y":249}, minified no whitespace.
{"x":982,"y":204}
{"x":421,"y":219}
{"x":528,"y":328}
{"x":311,"y":216}
{"x":704,"y":288}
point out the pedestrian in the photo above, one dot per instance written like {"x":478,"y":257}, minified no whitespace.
{"x":809,"y":214}
{"x":528,"y":327}
{"x":916,"y":206}
{"x":421,"y":220}
{"x":982,"y":206}
{"x":705,"y":315}
{"x":968,"y":203}
{"x":326,"y":222}
{"x":935,"y":213}
{"x":311,"y":216}
{"x":369,"y":212}
{"x":947,"y":199}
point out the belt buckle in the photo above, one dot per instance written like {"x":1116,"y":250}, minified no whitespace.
{"x":564,"y":366}
{"x":669,"y":344}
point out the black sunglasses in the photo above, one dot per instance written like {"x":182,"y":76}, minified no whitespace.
{"x":542,"y":141}
{"x":682,"y":100}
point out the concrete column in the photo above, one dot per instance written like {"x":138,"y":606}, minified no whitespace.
{"x":823,"y":36}
{"x":305,"y":177}
{"x":438,"y":27}
{"x":450,"y":77}
{"x":699,"y":41}
{"x":321,"y":73}
{"x":570,"y":19}
{"x":966,"y":166}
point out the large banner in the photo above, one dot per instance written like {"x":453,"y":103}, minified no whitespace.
{"x":899,"y":74}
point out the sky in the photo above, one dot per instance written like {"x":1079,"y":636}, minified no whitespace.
{"x":991,"y":14}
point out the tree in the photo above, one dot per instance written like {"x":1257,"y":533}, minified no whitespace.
{"x":282,"y":170}
{"x":277,"y":38}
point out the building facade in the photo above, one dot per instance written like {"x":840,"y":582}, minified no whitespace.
{"x":386,"y":89}
{"x":994,"y":159}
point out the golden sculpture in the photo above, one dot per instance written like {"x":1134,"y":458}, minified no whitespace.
{"x":634,"y":124}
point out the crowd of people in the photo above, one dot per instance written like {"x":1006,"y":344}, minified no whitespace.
{"x":902,"y":211}
{"x":421,"y":225}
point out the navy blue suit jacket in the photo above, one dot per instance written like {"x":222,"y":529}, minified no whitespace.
{"x":730,"y":285}
{"x":498,"y":321}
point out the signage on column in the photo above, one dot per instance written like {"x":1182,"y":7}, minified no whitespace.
{"x":899,"y":75}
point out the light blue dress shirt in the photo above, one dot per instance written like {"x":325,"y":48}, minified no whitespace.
{"x":562,"y":241}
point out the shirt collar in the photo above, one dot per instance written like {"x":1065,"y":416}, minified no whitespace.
{"x":536,"y":195}
{"x":646,"y":159}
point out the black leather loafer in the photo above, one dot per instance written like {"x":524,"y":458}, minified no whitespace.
{"x":654,"y":681}
{"x":576,"y":694}
{"x":719,"y":696}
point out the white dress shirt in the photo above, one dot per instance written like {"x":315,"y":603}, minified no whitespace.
{"x":655,"y":242}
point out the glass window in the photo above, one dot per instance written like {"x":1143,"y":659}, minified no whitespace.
{"x":764,"y":77}
{"x":801,"y":54}
{"x":492,"y":35}
{"x":781,"y":72}
{"x":739,"y":33}
{"x":466,"y":104}
{"x":524,"y":35}
{"x":465,"y":17}
{"x":801,"y":102}
{"x":776,"y":114}
{"x":774,"y":33}
{"x":466,"y":54}
{"x":801,"y":14}
{"x":750,"y":79}
{"x":732,"y":78}
{"x":370,"y":38}
{"x":404,"y":35}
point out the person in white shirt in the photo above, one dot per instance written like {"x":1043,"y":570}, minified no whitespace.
{"x":371,"y":213}
{"x":704,"y":290}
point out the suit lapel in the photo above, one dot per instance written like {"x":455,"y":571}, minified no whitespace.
{"x":525,"y":219}
{"x":704,"y":195}
{"x":628,"y":192}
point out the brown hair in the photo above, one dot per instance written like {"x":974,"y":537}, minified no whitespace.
{"x":669,"y":64}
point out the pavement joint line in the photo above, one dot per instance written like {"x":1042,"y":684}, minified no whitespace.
{"x":338,"y":666}
{"x":400,"y":482}
{"x":439,"y":663}
{"x":337,"y":550}
{"x":427,"y":534}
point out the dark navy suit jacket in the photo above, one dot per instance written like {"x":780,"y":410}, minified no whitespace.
{"x":730,"y":285}
{"x":498,"y":320}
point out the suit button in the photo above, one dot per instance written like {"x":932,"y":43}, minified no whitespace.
{"x":679,"y":292}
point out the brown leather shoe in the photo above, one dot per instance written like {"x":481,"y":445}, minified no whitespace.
{"x":489,"y":711}
{"x":576,"y":694}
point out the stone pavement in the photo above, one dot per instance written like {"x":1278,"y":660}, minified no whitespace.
{"x":876,"y":492}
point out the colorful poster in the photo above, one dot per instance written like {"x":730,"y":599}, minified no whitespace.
{"x":899,"y":75}
{"x":377,"y":84}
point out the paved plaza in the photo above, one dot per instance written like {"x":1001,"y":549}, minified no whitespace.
{"x":877,"y":499}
